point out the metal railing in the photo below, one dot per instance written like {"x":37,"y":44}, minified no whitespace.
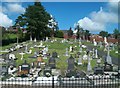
{"x":60,"y":82}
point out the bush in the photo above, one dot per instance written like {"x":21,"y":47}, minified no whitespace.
{"x":59,"y":34}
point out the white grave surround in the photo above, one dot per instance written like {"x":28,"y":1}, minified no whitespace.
{"x":12,"y":57}
{"x":10,"y":71}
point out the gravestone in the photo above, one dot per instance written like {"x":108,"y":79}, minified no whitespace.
{"x":71,"y":49}
{"x":80,"y":60}
{"x":100,"y":44}
{"x":54,"y":55}
{"x":93,"y":53}
{"x":89,"y":67}
{"x":47,"y":72}
{"x":24,"y":68}
{"x":66,"y":53}
{"x":105,"y":44}
{"x":12,"y":57}
{"x":80,"y":49}
{"x":70,"y":63}
{"x":109,"y":59}
{"x":35,"y":40}
{"x":26,"y":48}
{"x":98,"y":69}
{"x":22,"y":54}
{"x":108,"y":67}
{"x":52,"y":62}
{"x":94,"y":42}
{"x":96,"y":53}
{"x":30,"y":38}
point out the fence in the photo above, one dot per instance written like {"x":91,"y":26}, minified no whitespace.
{"x":59,"y":82}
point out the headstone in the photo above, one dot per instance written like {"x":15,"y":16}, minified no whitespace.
{"x":96,"y":53}
{"x":80,"y":60}
{"x":30,"y":38}
{"x":47,"y":72}
{"x":93,"y":53}
{"x":89,"y":67}
{"x":95,"y":43}
{"x":12,"y":57}
{"x":98,"y":70}
{"x":70,"y":64}
{"x":80,"y":49}
{"x":71,"y":49}
{"x":66,"y":53}
{"x":44,"y":51}
{"x":108,"y":59}
{"x":46,"y":39}
{"x":113,"y":47}
{"x":100,"y":44}
{"x":26,"y":48}
{"x":25,"y":68}
{"x":22,"y":54}
{"x":35,"y":40}
{"x":108,"y":67}
{"x":52,"y":63}
{"x":11,"y":69}
{"x":105,"y":44}
{"x":54,"y":55}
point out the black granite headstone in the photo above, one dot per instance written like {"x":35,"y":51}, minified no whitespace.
{"x":108,"y":67}
{"x":98,"y":70}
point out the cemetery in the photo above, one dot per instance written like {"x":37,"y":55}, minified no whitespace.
{"x":36,"y":52}
{"x":37,"y":60}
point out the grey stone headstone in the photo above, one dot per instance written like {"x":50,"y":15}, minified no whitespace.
{"x":70,"y":63}
{"x":52,"y":63}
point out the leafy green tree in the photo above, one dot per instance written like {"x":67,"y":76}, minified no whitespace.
{"x":116,"y":33}
{"x":59,"y":34}
{"x":70,"y":32}
{"x":87,"y":34}
{"x":35,"y":19}
{"x":103,"y":34}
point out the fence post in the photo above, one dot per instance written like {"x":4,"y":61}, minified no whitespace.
{"x":52,"y":81}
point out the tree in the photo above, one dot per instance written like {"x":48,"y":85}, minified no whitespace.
{"x":59,"y":34}
{"x":70,"y":32}
{"x":87,"y":34}
{"x":35,"y":19}
{"x":53,"y":25}
{"x":116,"y":33}
{"x":103,"y":34}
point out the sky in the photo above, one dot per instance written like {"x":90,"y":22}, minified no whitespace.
{"x":92,"y":16}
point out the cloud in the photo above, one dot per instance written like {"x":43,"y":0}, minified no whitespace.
{"x":15,"y":8}
{"x":87,"y":24}
{"x":98,"y":20}
{"x":5,"y":21}
{"x":104,"y":17}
